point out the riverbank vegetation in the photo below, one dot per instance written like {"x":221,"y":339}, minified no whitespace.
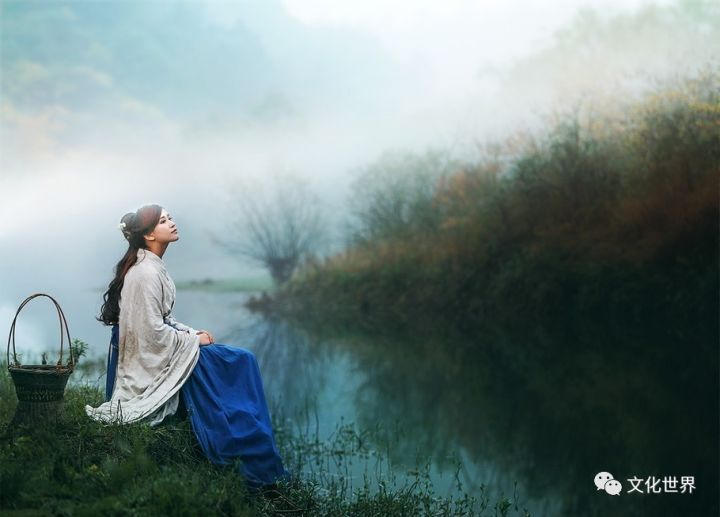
{"x":612,"y":214}
{"x":79,"y":467}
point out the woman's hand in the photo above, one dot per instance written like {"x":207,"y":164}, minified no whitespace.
{"x":205,"y":337}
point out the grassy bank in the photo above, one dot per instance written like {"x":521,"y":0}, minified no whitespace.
{"x":611,"y":213}
{"x":210,"y":285}
{"x":79,"y":467}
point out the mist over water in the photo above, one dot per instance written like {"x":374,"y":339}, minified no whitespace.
{"x":106,"y":106}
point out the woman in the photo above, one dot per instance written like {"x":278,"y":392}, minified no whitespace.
{"x":162,"y":362}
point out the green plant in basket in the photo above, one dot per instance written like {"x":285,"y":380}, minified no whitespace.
{"x":79,"y":349}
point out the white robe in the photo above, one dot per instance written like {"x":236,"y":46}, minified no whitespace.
{"x":157,"y":354}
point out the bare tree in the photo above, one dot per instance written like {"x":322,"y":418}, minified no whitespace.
{"x":277,"y":228}
{"x":393,"y":197}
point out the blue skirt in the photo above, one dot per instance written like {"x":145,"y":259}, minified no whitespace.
{"x":225,"y":402}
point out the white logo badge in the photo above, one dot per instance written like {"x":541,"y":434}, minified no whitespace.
{"x":605,"y":481}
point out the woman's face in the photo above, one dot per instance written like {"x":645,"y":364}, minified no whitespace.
{"x":165,"y":231}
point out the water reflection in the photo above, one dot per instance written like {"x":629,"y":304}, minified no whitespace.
{"x":546,"y":408}
{"x":294,"y":370}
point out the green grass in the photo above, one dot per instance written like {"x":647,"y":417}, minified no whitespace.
{"x":245,"y":284}
{"x":80,"y":467}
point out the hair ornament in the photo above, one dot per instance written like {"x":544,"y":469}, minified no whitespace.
{"x":125,"y":230}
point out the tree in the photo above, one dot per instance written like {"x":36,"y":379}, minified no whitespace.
{"x":277,"y":228}
{"x":393,"y":197}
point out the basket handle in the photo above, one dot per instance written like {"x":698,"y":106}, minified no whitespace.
{"x":63,"y":326}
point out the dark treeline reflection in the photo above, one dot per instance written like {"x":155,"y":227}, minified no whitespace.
{"x":546,"y":408}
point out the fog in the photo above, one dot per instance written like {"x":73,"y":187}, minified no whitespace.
{"x":106,"y":106}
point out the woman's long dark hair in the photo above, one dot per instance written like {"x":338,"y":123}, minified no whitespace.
{"x":134,"y":226}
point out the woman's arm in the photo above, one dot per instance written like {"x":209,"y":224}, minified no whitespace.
{"x":178,"y":325}
{"x":206,"y":338}
{"x":143,"y":310}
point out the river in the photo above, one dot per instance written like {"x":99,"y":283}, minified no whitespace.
{"x":526,"y":411}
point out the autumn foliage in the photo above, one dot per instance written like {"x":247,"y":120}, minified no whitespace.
{"x":613,"y":211}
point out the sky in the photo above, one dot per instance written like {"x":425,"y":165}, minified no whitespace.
{"x":108,"y":105}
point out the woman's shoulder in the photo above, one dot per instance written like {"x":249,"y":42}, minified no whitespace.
{"x":141,"y":279}
{"x":143,"y":270}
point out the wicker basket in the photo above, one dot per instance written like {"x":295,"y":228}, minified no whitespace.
{"x":40,"y":388}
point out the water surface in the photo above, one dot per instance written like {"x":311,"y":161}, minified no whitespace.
{"x":526,"y":411}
